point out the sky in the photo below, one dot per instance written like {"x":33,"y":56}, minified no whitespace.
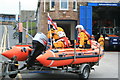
{"x":12,"y":6}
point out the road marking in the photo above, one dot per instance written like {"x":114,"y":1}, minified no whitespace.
{"x":4,"y":40}
{"x":20,"y":76}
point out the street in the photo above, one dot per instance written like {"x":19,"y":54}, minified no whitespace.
{"x":107,"y":69}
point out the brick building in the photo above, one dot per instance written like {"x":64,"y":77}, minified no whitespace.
{"x":64,"y":12}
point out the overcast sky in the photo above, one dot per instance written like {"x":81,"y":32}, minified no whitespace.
{"x":12,"y":6}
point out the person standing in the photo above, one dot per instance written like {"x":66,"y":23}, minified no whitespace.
{"x":101,"y":41}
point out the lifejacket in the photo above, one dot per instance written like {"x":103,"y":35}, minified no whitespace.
{"x":101,"y":41}
{"x":86,"y":33}
{"x":55,"y":36}
{"x":65,"y":41}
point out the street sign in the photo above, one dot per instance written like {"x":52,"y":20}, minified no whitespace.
{"x":26,"y":36}
{"x":103,"y":4}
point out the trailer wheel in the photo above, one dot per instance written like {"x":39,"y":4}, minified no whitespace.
{"x":13,"y":67}
{"x":84,"y":71}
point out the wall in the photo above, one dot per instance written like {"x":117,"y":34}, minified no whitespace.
{"x":42,"y":25}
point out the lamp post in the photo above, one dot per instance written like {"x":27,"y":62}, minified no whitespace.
{"x":19,"y":24}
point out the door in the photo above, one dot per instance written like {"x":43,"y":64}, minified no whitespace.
{"x":86,"y":18}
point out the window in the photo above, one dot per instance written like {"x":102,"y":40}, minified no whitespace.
{"x":6,"y":18}
{"x":74,"y":5}
{"x":52,"y":4}
{"x":63,"y":4}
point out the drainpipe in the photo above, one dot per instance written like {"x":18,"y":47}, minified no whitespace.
{"x":44,"y":6}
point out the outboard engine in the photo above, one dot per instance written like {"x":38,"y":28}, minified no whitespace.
{"x":39,"y":44}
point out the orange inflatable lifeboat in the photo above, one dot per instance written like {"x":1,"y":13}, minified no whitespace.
{"x":38,"y":56}
{"x":55,"y":57}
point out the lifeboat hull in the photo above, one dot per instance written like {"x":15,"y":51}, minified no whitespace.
{"x":62,"y":57}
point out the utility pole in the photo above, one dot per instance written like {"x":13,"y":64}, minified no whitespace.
{"x":19,"y":26}
{"x":31,"y":26}
{"x":27,"y":31}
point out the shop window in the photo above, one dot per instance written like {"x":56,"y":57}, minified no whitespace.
{"x":52,"y":4}
{"x":63,"y":4}
{"x":74,"y":5}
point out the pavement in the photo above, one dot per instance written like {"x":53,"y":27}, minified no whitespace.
{"x":108,"y":67}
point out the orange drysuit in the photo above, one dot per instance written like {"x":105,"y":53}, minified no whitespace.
{"x":83,"y":39}
{"x":101,"y":41}
{"x":55,"y":32}
{"x":58,"y":42}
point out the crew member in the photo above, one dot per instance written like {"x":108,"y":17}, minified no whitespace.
{"x":39,"y":44}
{"x":101,"y":41}
{"x":53,"y":34}
{"x":83,"y":37}
{"x":94,"y":44}
{"x":92,"y":37}
{"x":62,"y":42}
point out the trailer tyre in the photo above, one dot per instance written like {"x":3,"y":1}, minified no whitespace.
{"x":84,"y":71}
{"x":13,"y":67}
